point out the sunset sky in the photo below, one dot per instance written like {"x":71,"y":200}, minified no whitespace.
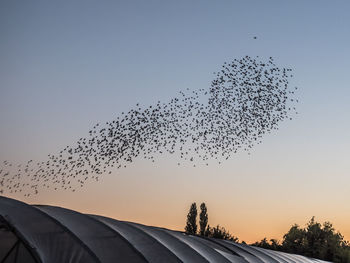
{"x":67,"y":65}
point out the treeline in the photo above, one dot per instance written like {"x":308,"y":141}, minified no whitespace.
{"x":315,"y":240}
{"x":205,"y":229}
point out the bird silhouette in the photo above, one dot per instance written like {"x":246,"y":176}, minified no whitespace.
{"x":247,"y":99}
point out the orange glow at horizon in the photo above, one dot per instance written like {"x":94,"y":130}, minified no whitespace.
{"x":250,"y":203}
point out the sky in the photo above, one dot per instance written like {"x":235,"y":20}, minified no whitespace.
{"x":67,"y":65}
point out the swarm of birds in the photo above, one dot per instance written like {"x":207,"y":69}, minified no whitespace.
{"x":247,"y":99}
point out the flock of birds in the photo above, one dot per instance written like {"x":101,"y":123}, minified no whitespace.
{"x":247,"y":99}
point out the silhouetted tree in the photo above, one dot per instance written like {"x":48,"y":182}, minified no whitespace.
{"x":203,"y":219}
{"x":272,"y":244}
{"x":191,"y":224}
{"x":315,"y":240}
{"x":294,"y":240}
{"x":220,"y":233}
{"x":205,"y":229}
{"x":262,"y":243}
{"x":275,"y":244}
{"x":323,"y":242}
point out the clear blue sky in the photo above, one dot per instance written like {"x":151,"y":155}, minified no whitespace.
{"x":66,"y":65}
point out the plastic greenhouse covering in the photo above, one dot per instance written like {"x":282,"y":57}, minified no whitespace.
{"x":40,"y":233}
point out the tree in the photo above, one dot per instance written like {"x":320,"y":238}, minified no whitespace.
{"x":272,"y":244}
{"x":324,"y":243}
{"x":203,"y":219}
{"x":294,"y":240}
{"x":263,"y":243}
{"x":220,"y":233}
{"x":315,"y":240}
{"x":191,"y":224}
{"x":207,"y":232}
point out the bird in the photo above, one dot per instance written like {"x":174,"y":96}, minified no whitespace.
{"x":247,"y":99}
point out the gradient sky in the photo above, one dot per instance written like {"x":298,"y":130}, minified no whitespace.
{"x":66,"y":65}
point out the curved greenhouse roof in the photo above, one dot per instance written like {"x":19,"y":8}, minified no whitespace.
{"x":40,"y":233}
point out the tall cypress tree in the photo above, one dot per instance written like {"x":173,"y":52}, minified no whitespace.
{"x":191,"y":224}
{"x":203,"y":219}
